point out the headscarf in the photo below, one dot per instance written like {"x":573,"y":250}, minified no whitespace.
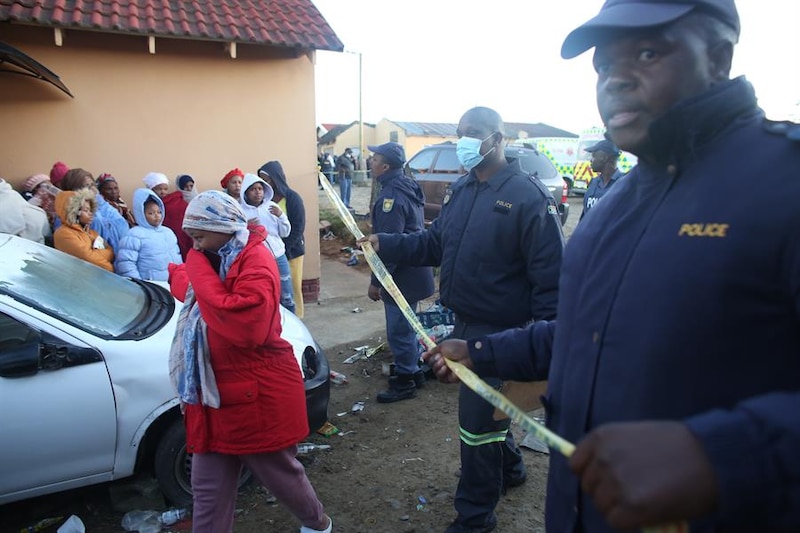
{"x":57,"y":172}
{"x":182,"y":180}
{"x":189,"y":359}
{"x":235,"y":172}
{"x":155,"y":178}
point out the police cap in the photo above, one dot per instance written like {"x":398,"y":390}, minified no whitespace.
{"x":641,"y":14}
{"x":393,"y":153}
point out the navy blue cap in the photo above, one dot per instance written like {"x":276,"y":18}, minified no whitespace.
{"x":641,"y":14}
{"x":604,"y":146}
{"x":392,"y":152}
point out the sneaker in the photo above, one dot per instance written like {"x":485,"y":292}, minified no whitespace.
{"x":328,"y":529}
{"x":457,"y":527}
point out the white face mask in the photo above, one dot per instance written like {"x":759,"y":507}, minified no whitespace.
{"x":468,"y":150}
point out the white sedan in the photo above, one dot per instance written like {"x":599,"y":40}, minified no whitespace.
{"x":85,"y":395}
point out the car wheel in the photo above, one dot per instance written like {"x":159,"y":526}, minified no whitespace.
{"x":173,"y":466}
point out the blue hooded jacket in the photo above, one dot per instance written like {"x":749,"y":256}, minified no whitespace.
{"x":146,"y":250}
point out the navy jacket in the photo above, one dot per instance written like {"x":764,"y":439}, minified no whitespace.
{"x":681,"y":301}
{"x":499,"y":244}
{"x":597,"y":190}
{"x":295,"y":210}
{"x":399,"y":209}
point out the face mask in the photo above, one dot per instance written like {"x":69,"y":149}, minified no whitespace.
{"x":468,"y":150}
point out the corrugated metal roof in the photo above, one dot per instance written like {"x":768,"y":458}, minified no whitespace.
{"x":289,"y":23}
{"x":443,"y":129}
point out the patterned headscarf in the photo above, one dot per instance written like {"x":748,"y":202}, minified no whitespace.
{"x":219,"y":212}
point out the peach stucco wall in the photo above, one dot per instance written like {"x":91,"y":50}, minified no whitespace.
{"x":189,"y":108}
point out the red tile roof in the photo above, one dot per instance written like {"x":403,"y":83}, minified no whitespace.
{"x":291,"y":23}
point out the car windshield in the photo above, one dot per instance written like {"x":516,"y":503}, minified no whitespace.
{"x":68,"y":288}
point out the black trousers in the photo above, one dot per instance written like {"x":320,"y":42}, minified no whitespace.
{"x":488,"y":451}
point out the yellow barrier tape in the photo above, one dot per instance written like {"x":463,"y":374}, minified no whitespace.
{"x":466,"y":375}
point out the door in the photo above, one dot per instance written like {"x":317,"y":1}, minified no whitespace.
{"x":57,"y":411}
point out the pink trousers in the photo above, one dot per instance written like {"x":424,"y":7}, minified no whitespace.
{"x":215,"y":477}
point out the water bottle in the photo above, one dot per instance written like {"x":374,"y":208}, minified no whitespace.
{"x":171,"y":516}
{"x":338,"y":378}
{"x":306,"y":447}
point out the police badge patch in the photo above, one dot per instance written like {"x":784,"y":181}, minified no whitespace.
{"x":388,"y":203}
{"x":552,"y":210}
{"x":447,"y":196}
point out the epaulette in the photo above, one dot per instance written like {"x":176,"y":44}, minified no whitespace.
{"x":783,"y":127}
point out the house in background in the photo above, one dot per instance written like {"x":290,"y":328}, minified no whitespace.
{"x":340,"y":136}
{"x":177,"y":87}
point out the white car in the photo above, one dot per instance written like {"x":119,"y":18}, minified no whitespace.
{"x":85,"y":395}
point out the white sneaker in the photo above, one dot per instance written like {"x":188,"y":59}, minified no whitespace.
{"x":328,"y":529}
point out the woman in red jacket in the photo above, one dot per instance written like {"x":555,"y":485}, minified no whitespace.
{"x":238,"y":380}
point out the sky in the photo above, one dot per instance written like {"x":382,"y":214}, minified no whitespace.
{"x":431,"y":60}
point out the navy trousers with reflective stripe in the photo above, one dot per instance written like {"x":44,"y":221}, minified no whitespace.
{"x":488,"y":450}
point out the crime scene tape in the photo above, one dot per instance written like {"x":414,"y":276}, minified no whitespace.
{"x":467,"y":376}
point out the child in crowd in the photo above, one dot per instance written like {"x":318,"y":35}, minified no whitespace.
{"x":292,"y":204}
{"x":107,"y":221}
{"x":107,"y":186}
{"x":76,"y":210}
{"x":256,"y":201}
{"x":232,"y":182}
{"x":237,"y":379}
{"x":175,"y":206}
{"x":149,"y":247}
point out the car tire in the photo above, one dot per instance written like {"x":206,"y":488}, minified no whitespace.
{"x":173,"y":466}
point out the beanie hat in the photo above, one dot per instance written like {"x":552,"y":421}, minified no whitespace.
{"x":34,"y":181}
{"x":183,"y":179}
{"x":57,"y":172}
{"x":235,"y":172}
{"x":155,"y":178}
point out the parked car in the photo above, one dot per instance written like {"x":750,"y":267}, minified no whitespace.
{"x":85,"y":395}
{"x":436,"y":167}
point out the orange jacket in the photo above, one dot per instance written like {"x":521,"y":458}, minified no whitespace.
{"x":74,"y":239}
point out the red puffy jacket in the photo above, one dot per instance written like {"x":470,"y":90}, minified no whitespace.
{"x":263,"y":406}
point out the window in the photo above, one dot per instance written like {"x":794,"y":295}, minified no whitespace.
{"x":393,"y":136}
{"x":421,"y":163}
{"x":447,"y":162}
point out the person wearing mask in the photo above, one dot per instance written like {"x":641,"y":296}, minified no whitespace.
{"x":292,"y":204}
{"x":398,"y":208}
{"x":674,"y":361}
{"x":498,"y":240}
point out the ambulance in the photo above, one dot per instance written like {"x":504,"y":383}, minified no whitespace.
{"x":561,"y":151}
{"x":582,"y":171}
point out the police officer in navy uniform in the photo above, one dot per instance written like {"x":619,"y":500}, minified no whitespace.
{"x":498,"y":240}
{"x":399,"y":209}
{"x":604,"y":161}
{"x":675,"y":362}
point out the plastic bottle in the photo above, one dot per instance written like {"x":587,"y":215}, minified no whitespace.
{"x":338,"y":378}
{"x":142,"y":521}
{"x":172,"y":516}
{"x":306,"y":447}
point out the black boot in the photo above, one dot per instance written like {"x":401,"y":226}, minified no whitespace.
{"x":419,"y":379}
{"x":403,"y":388}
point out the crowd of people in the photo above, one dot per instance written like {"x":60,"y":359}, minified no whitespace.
{"x":86,"y":217}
